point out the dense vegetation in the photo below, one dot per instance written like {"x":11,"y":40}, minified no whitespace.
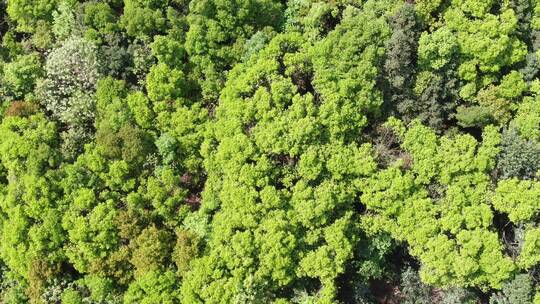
{"x":270,"y":151}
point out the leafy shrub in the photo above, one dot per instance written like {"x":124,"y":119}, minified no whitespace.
{"x":518,"y":157}
{"x":413,"y":291}
{"x":20,"y":76}
{"x":517,"y":291}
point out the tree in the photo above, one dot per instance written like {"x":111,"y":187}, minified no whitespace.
{"x":400,"y":63}
{"x":517,"y":199}
{"x":70,"y":69}
{"x":437,"y":83}
{"x":150,"y":250}
{"x":494,"y":103}
{"x":519,"y":158}
{"x":217,"y":32}
{"x":169,"y":51}
{"x":283,"y":166}
{"x":31,"y":235}
{"x":144,"y":18}
{"x":72,"y":72}
{"x":427,"y":8}
{"x":165,"y":84}
{"x":487,"y":43}
{"x":64,"y":23}
{"x":459,"y":296}
{"x":527,"y":119}
{"x":27,"y":12}
{"x":412,"y":289}
{"x":269,"y":151}
{"x":185,"y":250}
{"x":91,"y":230}
{"x":519,"y":290}
{"x":19,"y":77}
{"x":530,"y":252}
{"x":100,"y":17}
{"x":436,"y":198}
{"x":154,"y":288}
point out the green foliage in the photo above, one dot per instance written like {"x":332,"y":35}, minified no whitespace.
{"x":519,"y":157}
{"x":11,"y":47}
{"x":91,"y":230}
{"x":153,"y":288}
{"x":281,"y":144}
{"x":257,"y":42}
{"x":164,"y":83}
{"x":269,"y":151}
{"x":438,"y":49}
{"x":474,"y":116}
{"x":530,"y":253}
{"x":116,"y":59}
{"x":399,"y":66}
{"x":13,"y":294}
{"x":64,"y":24}
{"x":142,"y":60}
{"x":483,"y":43}
{"x":31,"y":150}
{"x":129,"y":143}
{"x":519,"y":290}
{"x":185,"y":250}
{"x":517,"y":198}
{"x":168,"y":51}
{"x":31,"y":235}
{"x":140,"y":107}
{"x":26,"y":13}
{"x":42,"y":37}
{"x":348,"y":87}
{"x":71,"y":296}
{"x":143,"y":19}
{"x":19,"y":76}
{"x":527,"y":119}
{"x":426,"y":8}
{"x":437,"y":81}
{"x":150,"y":249}
{"x":218,"y":29}
{"x":440,"y":188}
{"x":100,"y":17}
{"x":100,"y":288}
{"x":494,"y":103}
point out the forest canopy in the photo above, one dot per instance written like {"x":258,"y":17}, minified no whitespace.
{"x":270,"y":151}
